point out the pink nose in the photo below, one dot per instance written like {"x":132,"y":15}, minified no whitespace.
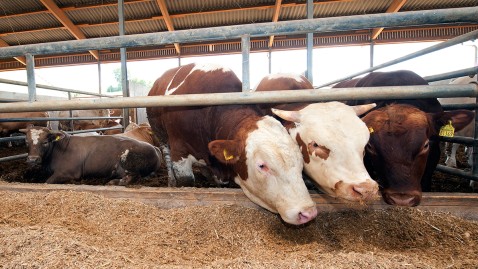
{"x":307,"y":215}
{"x":403,"y":199}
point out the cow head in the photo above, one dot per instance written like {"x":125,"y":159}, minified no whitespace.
{"x":332,"y":138}
{"x":40,"y":142}
{"x":403,"y":144}
{"x":269,"y":168}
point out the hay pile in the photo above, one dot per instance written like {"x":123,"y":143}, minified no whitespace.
{"x":82,"y":230}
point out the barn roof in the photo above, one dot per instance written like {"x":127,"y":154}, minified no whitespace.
{"x":39,"y":21}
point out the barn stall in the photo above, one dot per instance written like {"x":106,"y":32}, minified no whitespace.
{"x":98,"y":226}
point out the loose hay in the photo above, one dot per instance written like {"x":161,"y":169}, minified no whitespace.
{"x":81,"y":230}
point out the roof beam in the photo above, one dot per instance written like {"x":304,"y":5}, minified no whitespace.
{"x":394,"y":7}
{"x":63,"y":18}
{"x":21,"y":59}
{"x":275,"y":18}
{"x":167,"y":19}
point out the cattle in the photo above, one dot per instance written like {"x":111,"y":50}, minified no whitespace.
{"x":83,"y":124}
{"x":7,"y":128}
{"x":331,"y":137}
{"x":232,"y":141}
{"x":468,"y":131}
{"x":68,"y":158}
{"x":141,"y":132}
{"x":403,"y":149}
{"x":110,"y":124}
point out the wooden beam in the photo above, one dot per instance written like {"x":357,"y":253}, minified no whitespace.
{"x":167,"y":19}
{"x":394,"y":7}
{"x":21,"y":59}
{"x":63,"y":18}
{"x":275,"y":18}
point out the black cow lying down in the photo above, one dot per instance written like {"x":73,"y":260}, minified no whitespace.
{"x":68,"y":157}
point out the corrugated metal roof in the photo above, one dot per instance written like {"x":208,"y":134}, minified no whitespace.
{"x":29,"y":21}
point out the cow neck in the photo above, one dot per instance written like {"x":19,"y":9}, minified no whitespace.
{"x":60,"y":147}
{"x":235,"y":122}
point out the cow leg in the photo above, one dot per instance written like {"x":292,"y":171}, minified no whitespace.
{"x":183,"y":173}
{"x":124,"y":181}
{"x":57,"y":179}
{"x":209,"y":174}
{"x":451,"y":158}
{"x":169,"y":166}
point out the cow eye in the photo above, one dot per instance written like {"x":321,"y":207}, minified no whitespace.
{"x":369,"y":147}
{"x":314,"y":144}
{"x":263,"y":167}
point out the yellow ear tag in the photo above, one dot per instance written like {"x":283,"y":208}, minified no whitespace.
{"x":57,"y":138}
{"x":447,"y":130}
{"x":370,"y":129}
{"x":227,"y":156}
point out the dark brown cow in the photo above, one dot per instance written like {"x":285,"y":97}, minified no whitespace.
{"x":73,"y":157}
{"x":234,"y":141}
{"x":6,"y":128}
{"x":403,"y":150}
{"x":332,"y":139}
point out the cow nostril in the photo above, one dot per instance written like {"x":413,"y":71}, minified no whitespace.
{"x":307,"y":215}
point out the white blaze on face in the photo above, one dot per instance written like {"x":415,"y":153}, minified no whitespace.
{"x":35,"y":135}
{"x":197,"y":67}
{"x":274,"y":167}
{"x":335,"y":138}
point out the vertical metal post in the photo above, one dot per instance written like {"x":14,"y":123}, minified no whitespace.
{"x":246,"y":48}
{"x":99,"y":75}
{"x":372,"y":43}
{"x":32,"y":92}
{"x":310,"y":42}
{"x":474,"y":168}
{"x":72,"y":126}
{"x":124,"y":71}
{"x":179,"y":60}
{"x":269,"y":56}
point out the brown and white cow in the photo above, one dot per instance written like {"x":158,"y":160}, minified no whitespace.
{"x":332,"y":139}
{"x":70,"y":157}
{"x":141,"y":132}
{"x":6,"y":128}
{"x":403,"y":150}
{"x":233,"y":141}
{"x":83,"y":124}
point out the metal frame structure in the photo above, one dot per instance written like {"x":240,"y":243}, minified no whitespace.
{"x":322,"y":25}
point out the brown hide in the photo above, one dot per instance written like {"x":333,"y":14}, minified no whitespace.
{"x":70,"y":158}
{"x":403,"y":150}
{"x":83,"y":124}
{"x":190,"y":129}
{"x":142,"y":133}
{"x":7,"y":128}
{"x":109,"y":124}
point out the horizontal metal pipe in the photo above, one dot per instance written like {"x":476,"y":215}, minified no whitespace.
{"x":305,"y":95}
{"x":321,"y":25}
{"x":12,"y":138}
{"x":56,"y":119}
{"x":467,"y":141}
{"x":14,"y":157}
{"x":22,"y":137}
{"x":439,"y":46}
{"x":21,"y":83}
{"x":454,"y":74}
{"x":456,"y":172}
{"x":459,"y":106}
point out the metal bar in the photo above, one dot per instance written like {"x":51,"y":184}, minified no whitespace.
{"x":454,"y":74}
{"x":442,"y":45}
{"x":307,"y":95}
{"x":99,"y":74}
{"x":467,"y":141}
{"x":56,"y":119}
{"x":474,"y":167}
{"x":372,"y":42}
{"x":123,"y":56}
{"x":310,"y":43}
{"x":269,"y":56}
{"x":32,"y":93}
{"x":21,"y":83}
{"x":456,"y":172}
{"x":246,"y":50}
{"x":12,"y":138}
{"x":14,"y":157}
{"x":459,"y":106}
{"x":320,"y":25}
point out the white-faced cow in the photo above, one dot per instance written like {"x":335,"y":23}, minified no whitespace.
{"x":69,"y":157}
{"x":403,"y":150}
{"x":331,"y":137}
{"x":233,"y":141}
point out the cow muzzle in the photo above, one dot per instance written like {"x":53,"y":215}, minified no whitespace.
{"x":307,"y":215}
{"x":357,"y":192}
{"x":33,"y":160}
{"x":408,"y":199}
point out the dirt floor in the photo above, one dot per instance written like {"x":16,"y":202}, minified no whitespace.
{"x":64,"y":229}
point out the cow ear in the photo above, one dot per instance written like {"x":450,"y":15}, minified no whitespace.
{"x":293,"y":116}
{"x":56,"y":136}
{"x":362,"y":109}
{"x":459,"y":118}
{"x":226,"y":151}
